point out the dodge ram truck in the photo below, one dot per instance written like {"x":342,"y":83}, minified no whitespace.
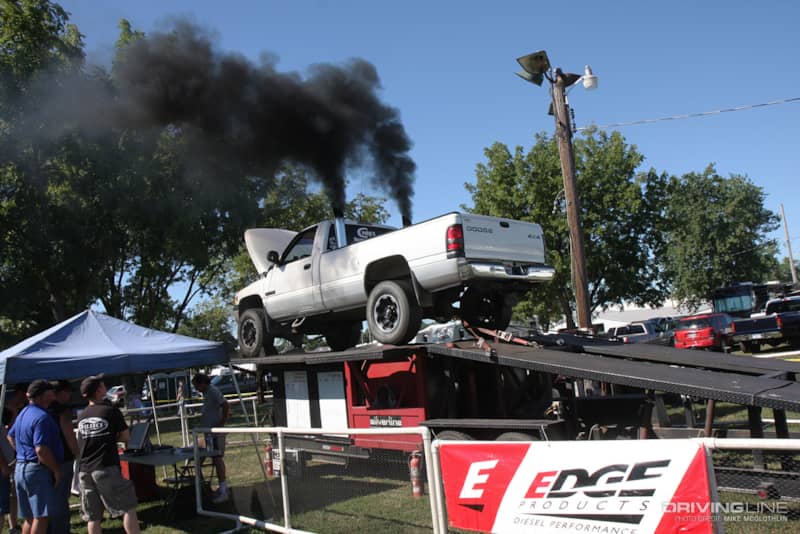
{"x":781,"y":323}
{"x":328,"y":278}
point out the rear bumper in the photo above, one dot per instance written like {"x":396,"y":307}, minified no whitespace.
{"x":756,"y":336}
{"x":497,"y":271}
{"x":696,"y":343}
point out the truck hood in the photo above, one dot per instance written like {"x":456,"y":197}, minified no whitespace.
{"x":259,"y":241}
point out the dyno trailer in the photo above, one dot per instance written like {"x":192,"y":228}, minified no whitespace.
{"x":556,"y":387}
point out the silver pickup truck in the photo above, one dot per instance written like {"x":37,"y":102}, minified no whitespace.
{"x":329,"y":277}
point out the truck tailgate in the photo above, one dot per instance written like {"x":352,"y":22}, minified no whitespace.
{"x":492,"y":238}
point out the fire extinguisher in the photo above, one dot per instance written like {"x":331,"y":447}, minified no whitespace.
{"x":268,"y":459}
{"x":415,"y":470}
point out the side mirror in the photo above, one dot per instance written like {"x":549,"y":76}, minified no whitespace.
{"x":272,"y":257}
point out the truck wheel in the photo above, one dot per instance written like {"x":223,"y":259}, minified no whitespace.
{"x":253,"y":334}
{"x":516,"y":436}
{"x":453,"y":435}
{"x":393,"y":315}
{"x":487,"y":310}
{"x":343,"y":336}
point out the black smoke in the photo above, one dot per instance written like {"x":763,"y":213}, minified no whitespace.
{"x":329,"y":120}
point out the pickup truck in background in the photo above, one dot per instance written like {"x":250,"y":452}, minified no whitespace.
{"x":657,"y":331}
{"x":780,"y":324}
{"x":328,"y":278}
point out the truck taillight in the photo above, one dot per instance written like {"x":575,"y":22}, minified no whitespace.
{"x":779,"y":322}
{"x":455,"y":241}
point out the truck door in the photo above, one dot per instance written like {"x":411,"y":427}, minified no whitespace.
{"x":289,"y":290}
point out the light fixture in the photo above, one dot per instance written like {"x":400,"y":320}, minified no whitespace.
{"x":533,"y":78}
{"x":589,"y":79}
{"x":535,"y":66}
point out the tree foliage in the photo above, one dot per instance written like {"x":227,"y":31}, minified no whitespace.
{"x":617,"y":208}
{"x":123,"y":217}
{"x":716,"y":234}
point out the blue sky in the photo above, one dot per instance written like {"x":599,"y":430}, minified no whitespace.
{"x":449,"y":68}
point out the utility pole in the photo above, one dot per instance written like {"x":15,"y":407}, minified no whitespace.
{"x":564,"y":135}
{"x":789,"y":247}
{"x":536,"y":68}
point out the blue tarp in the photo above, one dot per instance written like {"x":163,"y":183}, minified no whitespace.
{"x":91,"y":343}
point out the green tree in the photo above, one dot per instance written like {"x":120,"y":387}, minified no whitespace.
{"x":716,"y":234}
{"x":783,"y":270}
{"x":124,"y":217}
{"x":37,"y":46}
{"x":617,"y":210}
{"x":210,"y":319}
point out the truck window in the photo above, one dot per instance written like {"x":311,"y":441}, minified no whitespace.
{"x":637,"y":329}
{"x":783,"y":306}
{"x":301,"y":247}
{"x":355,"y":233}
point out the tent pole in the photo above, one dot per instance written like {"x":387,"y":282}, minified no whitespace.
{"x":153,"y":404}
{"x":155,"y":416}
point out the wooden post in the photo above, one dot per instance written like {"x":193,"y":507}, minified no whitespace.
{"x":577,"y":253}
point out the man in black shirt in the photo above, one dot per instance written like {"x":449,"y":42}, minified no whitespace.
{"x":62,"y":412}
{"x":100,"y":427}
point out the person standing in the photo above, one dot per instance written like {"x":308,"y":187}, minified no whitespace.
{"x":17,"y":402}
{"x":214,"y":413}
{"x":100,"y":427}
{"x":62,"y":413}
{"x":39,"y":451}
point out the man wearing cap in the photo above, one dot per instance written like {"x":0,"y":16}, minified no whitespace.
{"x":39,"y":451}
{"x":61,"y":411}
{"x":100,"y":427}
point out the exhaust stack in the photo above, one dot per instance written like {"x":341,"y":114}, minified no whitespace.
{"x":406,"y":221}
{"x":339,"y":229}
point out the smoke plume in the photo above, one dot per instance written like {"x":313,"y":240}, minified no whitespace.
{"x":329,"y":120}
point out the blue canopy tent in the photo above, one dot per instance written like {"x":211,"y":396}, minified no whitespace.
{"x":91,"y":343}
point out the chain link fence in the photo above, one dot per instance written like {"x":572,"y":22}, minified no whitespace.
{"x":759,"y":489}
{"x":292,"y":480}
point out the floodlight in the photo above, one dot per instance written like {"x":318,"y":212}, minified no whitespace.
{"x":533,"y":78}
{"x":535,"y":63}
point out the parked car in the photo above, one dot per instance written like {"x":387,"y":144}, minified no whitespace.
{"x":657,"y":331}
{"x":224,"y":382}
{"x":704,"y":331}
{"x":116,"y":395}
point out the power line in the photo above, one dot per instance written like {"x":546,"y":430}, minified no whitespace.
{"x":693,"y":115}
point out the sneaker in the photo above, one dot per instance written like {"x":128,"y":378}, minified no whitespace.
{"x":221,"y":496}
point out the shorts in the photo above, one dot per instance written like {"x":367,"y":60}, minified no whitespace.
{"x":216,"y":443}
{"x":36,"y":493}
{"x":5,"y":494}
{"x":106,"y":488}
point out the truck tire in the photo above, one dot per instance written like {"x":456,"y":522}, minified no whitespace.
{"x":516,"y":436}
{"x":252,"y":334}
{"x":393,"y":315}
{"x":487,"y":310}
{"x":453,"y":435}
{"x":343,"y":336}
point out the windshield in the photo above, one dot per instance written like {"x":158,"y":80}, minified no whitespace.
{"x":736,"y":303}
{"x":694,"y":324}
